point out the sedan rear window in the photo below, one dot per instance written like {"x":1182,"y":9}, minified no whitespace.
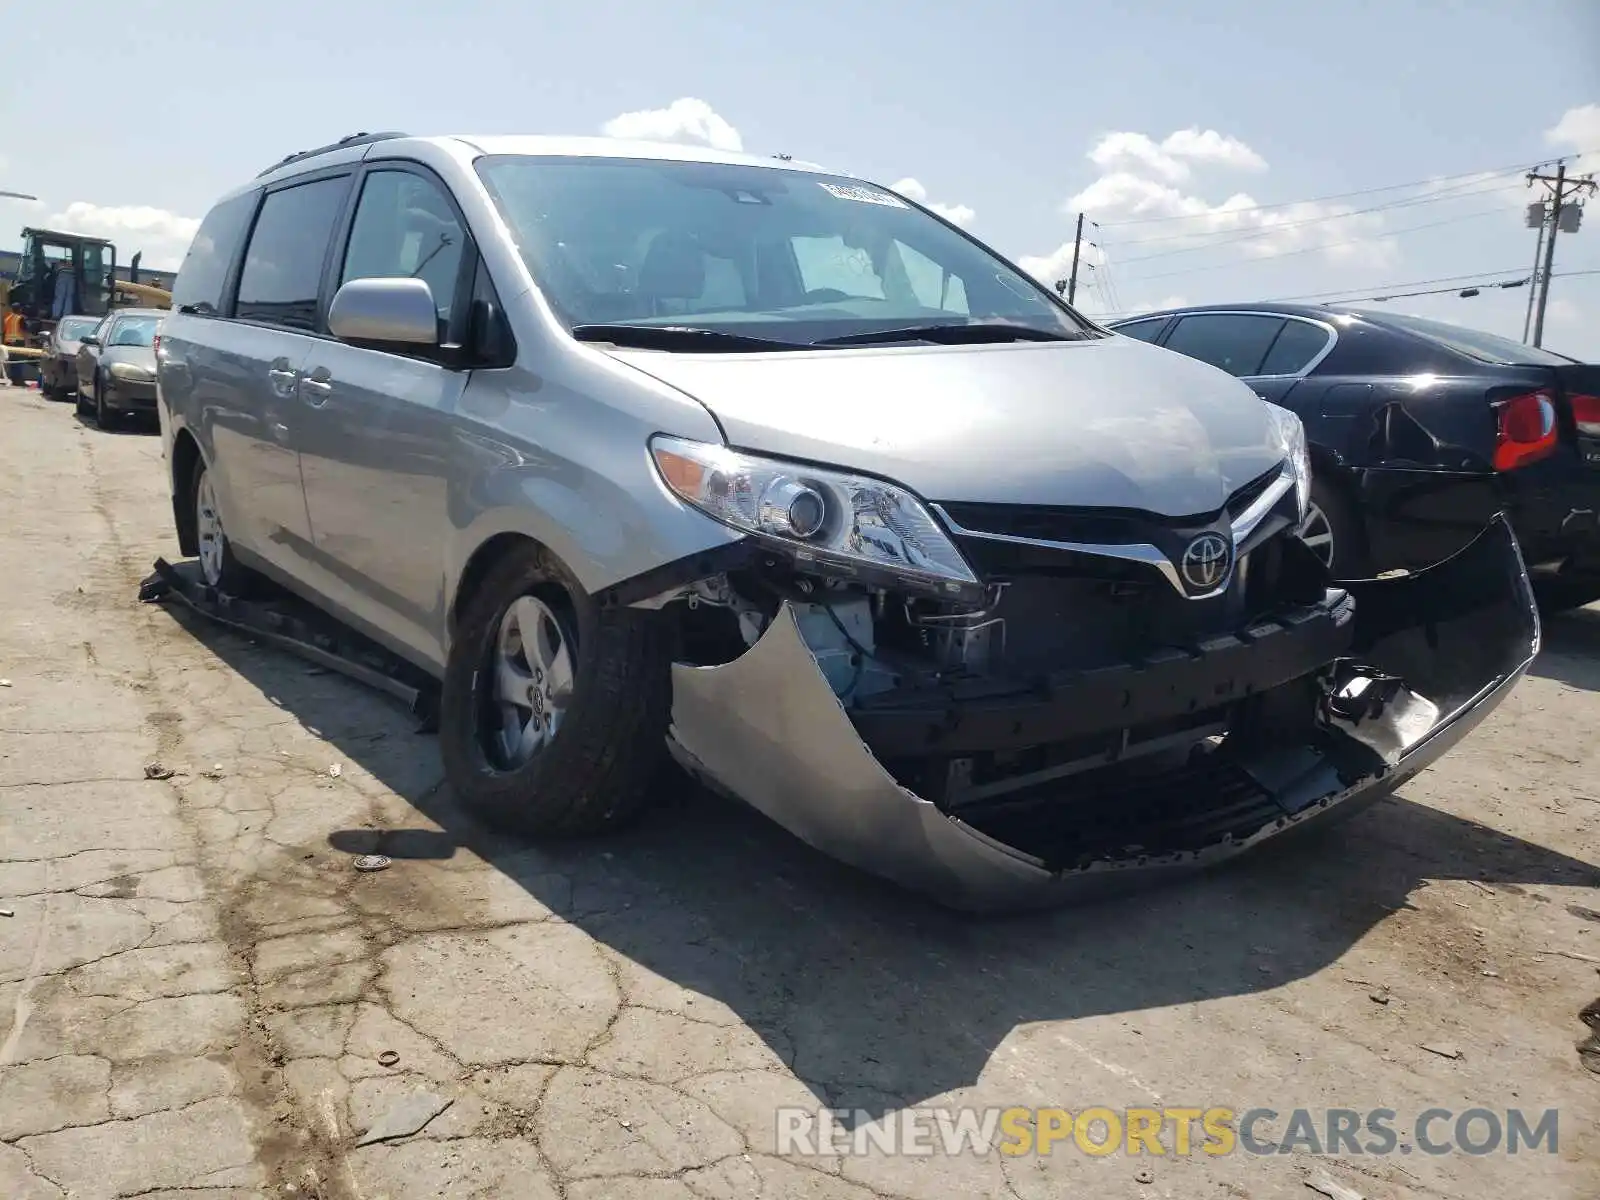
{"x":72,"y":329}
{"x":1474,"y":343}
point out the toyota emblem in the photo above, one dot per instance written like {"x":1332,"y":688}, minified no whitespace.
{"x":1206,"y":562}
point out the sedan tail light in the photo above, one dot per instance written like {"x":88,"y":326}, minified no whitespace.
{"x":1586,"y":412}
{"x":1526,"y":430}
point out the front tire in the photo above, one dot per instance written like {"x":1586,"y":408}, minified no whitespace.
{"x":553,"y":714}
{"x":104,"y":416}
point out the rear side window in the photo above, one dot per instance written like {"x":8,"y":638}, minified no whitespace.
{"x":282,"y":272}
{"x":1145,"y":331}
{"x":1297,"y":345}
{"x":1236,"y":342}
{"x":204,"y":273}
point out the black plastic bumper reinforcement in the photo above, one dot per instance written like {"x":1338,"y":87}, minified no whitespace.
{"x":290,"y":625}
{"x":961,"y":718}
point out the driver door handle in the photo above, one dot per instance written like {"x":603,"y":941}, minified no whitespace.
{"x":315,"y":390}
{"x":282,"y":375}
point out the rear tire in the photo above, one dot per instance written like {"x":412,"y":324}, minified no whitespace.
{"x":594,"y":772}
{"x":1333,"y":517}
{"x":218,"y":566}
{"x":1563,"y":592}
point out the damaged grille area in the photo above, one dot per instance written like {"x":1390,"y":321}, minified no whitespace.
{"x":1132,"y":810}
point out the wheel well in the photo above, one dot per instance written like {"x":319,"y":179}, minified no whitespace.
{"x":185,"y":453}
{"x":478,"y":567}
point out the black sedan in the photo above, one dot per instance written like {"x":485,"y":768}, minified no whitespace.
{"x":58,"y":369}
{"x":117,"y":365}
{"x":1419,"y":432}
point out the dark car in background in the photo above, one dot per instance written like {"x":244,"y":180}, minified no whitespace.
{"x":116,"y":365}
{"x":1419,"y":431}
{"x":58,"y":369}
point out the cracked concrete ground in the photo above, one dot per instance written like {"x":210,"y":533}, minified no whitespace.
{"x":200,"y":998}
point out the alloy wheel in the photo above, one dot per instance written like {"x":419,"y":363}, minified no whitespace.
{"x":532,"y":663}
{"x":1317,"y":532}
{"x":208,"y":530}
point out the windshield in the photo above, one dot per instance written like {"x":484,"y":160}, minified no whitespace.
{"x":134,"y":331}
{"x":72,"y":329}
{"x":766,"y":252}
{"x":1484,"y":347}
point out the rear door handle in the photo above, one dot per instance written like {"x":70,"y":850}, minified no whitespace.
{"x":281,"y":375}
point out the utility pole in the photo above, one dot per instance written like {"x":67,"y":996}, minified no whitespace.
{"x":1560,"y":188}
{"x":1543,"y":210}
{"x":1077,"y":246}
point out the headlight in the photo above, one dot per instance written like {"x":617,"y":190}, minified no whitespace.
{"x":851,"y":524}
{"x":1291,"y":438}
{"x":131,"y":372}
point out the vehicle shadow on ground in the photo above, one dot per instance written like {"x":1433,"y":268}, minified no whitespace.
{"x":129,"y":423}
{"x":878,"y":999}
{"x":1570,"y":652}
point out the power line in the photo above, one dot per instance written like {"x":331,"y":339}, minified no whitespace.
{"x":1458,"y":193}
{"x":1507,"y":283}
{"x":1456,"y":220}
{"x":1477,"y":276}
{"x":1392,"y":187}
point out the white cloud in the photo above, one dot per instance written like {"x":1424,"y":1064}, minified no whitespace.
{"x":1579,"y":130}
{"x":163,"y":236}
{"x":1145,"y":180}
{"x":686,"y":119}
{"x":1175,"y":156}
{"x":956,"y":214}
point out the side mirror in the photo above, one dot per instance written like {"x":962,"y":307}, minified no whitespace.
{"x":399,"y":311}
{"x":88,"y":339}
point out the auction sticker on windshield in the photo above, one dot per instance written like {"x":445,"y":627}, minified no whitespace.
{"x":843,"y":191}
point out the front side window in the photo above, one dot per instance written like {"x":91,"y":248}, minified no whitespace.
{"x":405,"y":228}
{"x":767,"y":252}
{"x":134,"y":331}
{"x":1236,"y":342}
{"x":282,"y":272}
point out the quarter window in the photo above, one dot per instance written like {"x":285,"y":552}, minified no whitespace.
{"x":1236,"y":342}
{"x":282,"y":273}
{"x":1297,"y":345}
{"x":405,"y":228}
{"x":1145,"y":331}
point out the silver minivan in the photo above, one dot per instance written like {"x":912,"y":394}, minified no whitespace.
{"x":634,"y":447}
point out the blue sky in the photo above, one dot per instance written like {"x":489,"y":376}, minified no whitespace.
{"x":1010,"y":115}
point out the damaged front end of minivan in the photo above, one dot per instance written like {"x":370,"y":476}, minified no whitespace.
{"x":1103,"y":698}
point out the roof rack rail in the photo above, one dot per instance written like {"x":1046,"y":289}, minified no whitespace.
{"x":354,"y":139}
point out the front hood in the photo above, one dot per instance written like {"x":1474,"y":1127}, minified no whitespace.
{"x":137,"y":356}
{"x":1110,"y":422}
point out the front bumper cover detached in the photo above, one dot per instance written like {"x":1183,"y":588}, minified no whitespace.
{"x":1427,"y":656}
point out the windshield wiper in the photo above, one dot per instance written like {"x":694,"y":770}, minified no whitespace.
{"x":679,"y":337}
{"x":954,"y":334}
